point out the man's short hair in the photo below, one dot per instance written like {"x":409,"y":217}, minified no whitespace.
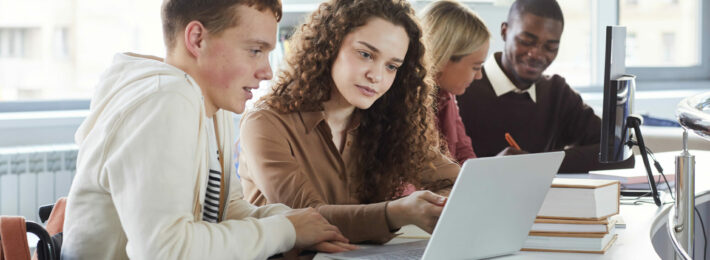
{"x":543,"y":8}
{"x":215,"y":15}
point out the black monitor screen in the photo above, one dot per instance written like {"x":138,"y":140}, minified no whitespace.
{"x":618,"y":98}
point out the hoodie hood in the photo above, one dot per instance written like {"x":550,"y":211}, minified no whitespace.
{"x":125,"y":70}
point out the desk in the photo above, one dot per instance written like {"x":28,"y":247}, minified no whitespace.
{"x":633,"y":242}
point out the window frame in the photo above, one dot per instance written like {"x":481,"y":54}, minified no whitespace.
{"x":46,"y":122}
{"x":699,"y":72}
{"x":693,"y":77}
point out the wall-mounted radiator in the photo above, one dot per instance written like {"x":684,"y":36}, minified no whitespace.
{"x":34,"y":176}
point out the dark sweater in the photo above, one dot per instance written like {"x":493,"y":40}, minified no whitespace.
{"x":558,"y":120}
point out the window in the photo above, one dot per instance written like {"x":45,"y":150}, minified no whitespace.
{"x":574,"y":57}
{"x":664,"y":33}
{"x":59,"y":52}
{"x":631,"y":48}
{"x":669,"y":37}
{"x":12,"y":42}
{"x":60,"y":43}
{"x":669,"y":53}
{"x":663,"y":39}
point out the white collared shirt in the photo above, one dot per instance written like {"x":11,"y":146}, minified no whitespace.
{"x":501,"y":83}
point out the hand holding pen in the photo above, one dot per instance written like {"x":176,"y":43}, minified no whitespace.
{"x":513,"y":149}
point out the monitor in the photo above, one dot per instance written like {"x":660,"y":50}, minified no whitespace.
{"x":617,"y":114}
{"x":618,"y":103}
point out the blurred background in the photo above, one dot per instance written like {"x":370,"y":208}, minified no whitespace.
{"x":52,"y":53}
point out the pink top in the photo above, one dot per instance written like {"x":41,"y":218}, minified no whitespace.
{"x":452,"y":129}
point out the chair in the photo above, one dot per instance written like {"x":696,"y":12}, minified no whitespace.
{"x":13,"y":234}
{"x":46,"y":246}
{"x":53,"y":214}
{"x":44,"y":212}
{"x":13,"y":240}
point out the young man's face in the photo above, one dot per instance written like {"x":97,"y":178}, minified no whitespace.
{"x":531,"y":44}
{"x":234,"y":62}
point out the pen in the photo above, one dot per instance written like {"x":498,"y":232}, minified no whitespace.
{"x":511,"y":141}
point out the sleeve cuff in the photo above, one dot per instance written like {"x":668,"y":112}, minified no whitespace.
{"x":379,"y":230}
{"x":281,"y":233}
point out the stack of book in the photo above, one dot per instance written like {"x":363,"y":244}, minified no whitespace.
{"x":634,"y":179}
{"x":578,"y":215}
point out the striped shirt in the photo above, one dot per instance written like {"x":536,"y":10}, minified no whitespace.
{"x":210,"y":212}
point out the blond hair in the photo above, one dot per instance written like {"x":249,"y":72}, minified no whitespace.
{"x":451,"y":31}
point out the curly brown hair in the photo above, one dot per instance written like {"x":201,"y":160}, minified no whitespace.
{"x":397,"y":138}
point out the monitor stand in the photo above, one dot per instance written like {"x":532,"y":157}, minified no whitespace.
{"x":634,"y":122}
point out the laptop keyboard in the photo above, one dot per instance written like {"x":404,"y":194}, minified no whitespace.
{"x":408,"y":250}
{"x":414,"y":253}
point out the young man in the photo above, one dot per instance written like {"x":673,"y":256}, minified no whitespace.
{"x":542,"y":113}
{"x":154,"y":176}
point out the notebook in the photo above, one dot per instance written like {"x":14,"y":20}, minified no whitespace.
{"x":489,"y":213}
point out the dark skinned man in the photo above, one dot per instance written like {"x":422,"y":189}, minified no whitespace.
{"x":541,"y":112}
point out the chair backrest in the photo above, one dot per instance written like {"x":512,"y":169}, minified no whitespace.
{"x":46,"y":248}
{"x":44,"y":212}
{"x":13,"y":239}
{"x":53,"y":214}
{"x":13,"y":234}
{"x":55,"y":223}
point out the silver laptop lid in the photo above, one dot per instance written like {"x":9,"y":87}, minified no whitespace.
{"x":492,"y":206}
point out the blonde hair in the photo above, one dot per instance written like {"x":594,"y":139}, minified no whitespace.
{"x":451,"y":31}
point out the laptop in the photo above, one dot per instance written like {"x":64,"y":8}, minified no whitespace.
{"x":490,"y":211}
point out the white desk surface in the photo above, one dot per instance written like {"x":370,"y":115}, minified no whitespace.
{"x":633,"y":242}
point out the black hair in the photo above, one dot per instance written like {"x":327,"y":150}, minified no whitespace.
{"x":543,"y":8}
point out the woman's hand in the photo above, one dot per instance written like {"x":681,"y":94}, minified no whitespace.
{"x":421,"y":208}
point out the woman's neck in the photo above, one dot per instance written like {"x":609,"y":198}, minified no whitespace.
{"x":338,"y":112}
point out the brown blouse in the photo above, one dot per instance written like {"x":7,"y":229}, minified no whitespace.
{"x":290,"y":158}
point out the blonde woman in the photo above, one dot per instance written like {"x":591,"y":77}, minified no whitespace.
{"x":457,"y":44}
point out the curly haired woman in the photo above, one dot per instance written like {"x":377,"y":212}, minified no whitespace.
{"x":350,"y":123}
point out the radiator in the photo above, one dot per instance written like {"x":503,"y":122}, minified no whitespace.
{"x":34,"y":176}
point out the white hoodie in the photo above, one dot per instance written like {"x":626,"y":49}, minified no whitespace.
{"x":142,"y":171}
